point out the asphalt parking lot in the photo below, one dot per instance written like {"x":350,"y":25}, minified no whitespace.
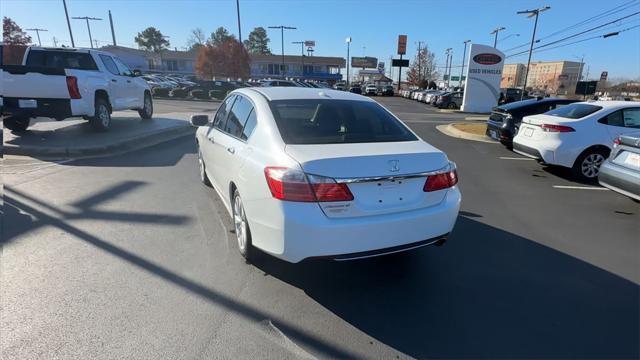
{"x":130,"y":256}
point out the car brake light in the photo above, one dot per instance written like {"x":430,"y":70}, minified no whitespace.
{"x":556,"y":128}
{"x":294,"y":185}
{"x":441,"y":181}
{"x":72,"y":86}
{"x":616,"y":141}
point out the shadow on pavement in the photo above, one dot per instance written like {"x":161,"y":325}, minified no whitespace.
{"x":486,"y":293}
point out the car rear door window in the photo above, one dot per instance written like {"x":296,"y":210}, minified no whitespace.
{"x":613,"y":119}
{"x":631,"y":117}
{"x":249,"y":125}
{"x":110,"y":64}
{"x":320,"y":121}
{"x":221,"y":116}
{"x":238,"y":116}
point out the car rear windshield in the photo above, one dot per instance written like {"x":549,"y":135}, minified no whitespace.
{"x":61,"y":59}
{"x":574,"y":111}
{"x":320,"y":121}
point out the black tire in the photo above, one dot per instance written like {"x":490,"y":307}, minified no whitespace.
{"x":16,"y":124}
{"x":147,"y":111}
{"x":587,"y":165}
{"x":202,"y":168}
{"x":452,"y":105}
{"x":102,"y":117}
{"x":241,"y":227}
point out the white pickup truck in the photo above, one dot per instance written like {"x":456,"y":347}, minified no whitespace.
{"x":64,"y":82}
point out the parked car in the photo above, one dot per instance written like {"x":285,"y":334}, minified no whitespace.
{"x":510,"y":95}
{"x":208,"y":85}
{"x":279,"y":83}
{"x":450,"y":100}
{"x":429,"y":95}
{"x":436,"y":96}
{"x":155,"y":83}
{"x":306,"y":174}
{"x":339,"y":86}
{"x":60,"y":83}
{"x":355,"y":88}
{"x":504,"y":121}
{"x":371,"y":89}
{"x":387,"y":90}
{"x":621,"y":171}
{"x":578,"y":135}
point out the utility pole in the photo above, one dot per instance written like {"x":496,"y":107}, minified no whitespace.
{"x":66,"y":13}
{"x":96,"y":43}
{"x":496,"y":31}
{"x":419,"y":62}
{"x":530,"y":13}
{"x":464,"y":54}
{"x":38,"y":33}
{"x":282,"y":28}
{"x":348,"y":41}
{"x":239,"y":29}
{"x":87,"y":18}
{"x":113,"y":33}
{"x":55,"y":42}
{"x":302,"y":55}
{"x":447,"y":66}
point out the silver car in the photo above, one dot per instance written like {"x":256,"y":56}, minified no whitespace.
{"x":621,"y":171}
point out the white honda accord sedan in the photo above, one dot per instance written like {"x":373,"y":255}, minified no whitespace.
{"x":308,"y":173}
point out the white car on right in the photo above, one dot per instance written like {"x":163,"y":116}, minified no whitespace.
{"x":578,"y":136}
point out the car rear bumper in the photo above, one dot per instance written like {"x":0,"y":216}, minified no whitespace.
{"x":306,"y":232}
{"x":53,"y":108}
{"x":503,"y":135}
{"x":620,"y":179}
{"x":527,"y":151}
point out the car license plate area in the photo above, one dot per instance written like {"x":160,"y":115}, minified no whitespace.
{"x":629,"y":159}
{"x":528,"y":132}
{"x":388,"y":193}
{"x":27,"y":103}
{"x":493,"y":134}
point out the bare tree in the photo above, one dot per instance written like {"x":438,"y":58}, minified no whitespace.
{"x":197,"y":39}
{"x":423,"y":68}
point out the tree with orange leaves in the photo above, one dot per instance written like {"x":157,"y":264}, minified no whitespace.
{"x":229,"y":59}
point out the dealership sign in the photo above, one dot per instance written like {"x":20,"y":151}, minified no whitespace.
{"x":364,"y":62}
{"x":482,"y":88}
{"x":402,"y":44}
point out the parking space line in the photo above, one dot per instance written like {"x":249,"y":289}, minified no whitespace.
{"x":514,"y":158}
{"x":580,"y":187}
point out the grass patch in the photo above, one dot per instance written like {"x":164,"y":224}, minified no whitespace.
{"x":477,"y":129}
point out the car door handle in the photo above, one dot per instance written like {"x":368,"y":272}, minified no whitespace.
{"x":231,"y":150}
{"x":114,"y":80}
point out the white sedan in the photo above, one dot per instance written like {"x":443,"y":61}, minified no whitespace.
{"x":578,"y":136}
{"x":310,"y":172}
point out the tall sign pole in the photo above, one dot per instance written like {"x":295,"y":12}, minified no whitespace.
{"x":531,"y":13}
{"x":66,"y":13}
{"x":113,"y":33}
{"x":348,"y":41}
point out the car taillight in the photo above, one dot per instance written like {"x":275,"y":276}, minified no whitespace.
{"x":72,"y":86}
{"x":441,"y":181}
{"x":295,"y":185}
{"x":556,"y":128}
{"x":616,"y":141}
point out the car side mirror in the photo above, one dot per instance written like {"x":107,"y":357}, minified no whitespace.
{"x":137,"y":72}
{"x":199,"y":120}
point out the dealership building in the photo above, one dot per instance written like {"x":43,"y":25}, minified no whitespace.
{"x":554,"y":77}
{"x":319,"y":68}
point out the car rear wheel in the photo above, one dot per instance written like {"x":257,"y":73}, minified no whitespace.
{"x":241,"y":226}
{"x":147,"y":111}
{"x":587,"y":166}
{"x":452,"y":105}
{"x":101,"y":120}
{"x":17,"y":124}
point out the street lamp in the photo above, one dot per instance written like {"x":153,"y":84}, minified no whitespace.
{"x":496,"y":31}
{"x":464,"y":53}
{"x":282,"y":28}
{"x":447,"y":70}
{"x":302,"y":53}
{"x":531,"y":13}
{"x":348,"y":41}
{"x":508,"y":36}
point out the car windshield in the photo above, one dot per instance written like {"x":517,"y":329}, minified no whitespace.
{"x":574,"y":111}
{"x":312,"y":121}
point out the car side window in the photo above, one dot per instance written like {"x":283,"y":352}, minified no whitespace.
{"x":249,"y":125}
{"x":631,"y":117}
{"x":613,"y":119}
{"x":238,"y":116}
{"x":221,"y":115}
{"x":122,"y":68}
{"x":109,"y":64}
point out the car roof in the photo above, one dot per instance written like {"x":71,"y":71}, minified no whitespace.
{"x":612,"y":104}
{"x":296,"y":93}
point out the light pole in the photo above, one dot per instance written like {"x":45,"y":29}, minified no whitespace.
{"x":282,"y":27}
{"x":496,"y":31}
{"x":37,"y":33}
{"x":66,"y":13}
{"x":446,"y":65}
{"x":464,"y":53}
{"x":447,"y":68}
{"x":530,"y":13}
{"x":419,"y":62}
{"x":348,"y":41}
{"x":87,"y":18}
{"x":302,"y":53}
{"x":239,"y":29}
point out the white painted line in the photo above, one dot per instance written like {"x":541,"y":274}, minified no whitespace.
{"x":580,"y":187}
{"x":514,"y":158}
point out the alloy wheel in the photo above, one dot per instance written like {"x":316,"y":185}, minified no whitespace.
{"x":591,"y":165}
{"x":240,"y":223}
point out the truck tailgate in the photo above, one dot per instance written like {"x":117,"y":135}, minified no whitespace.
{"x":34,"y":82}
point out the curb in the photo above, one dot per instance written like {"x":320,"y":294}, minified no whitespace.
{"x":186,"y":99}
{"x":120,"y":147}
{"x":449,"y":130}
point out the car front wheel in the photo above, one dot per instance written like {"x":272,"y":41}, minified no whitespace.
{"x":241,"y":226}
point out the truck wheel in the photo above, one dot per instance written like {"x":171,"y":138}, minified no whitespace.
{"x":102,"y":118}
{"x":147,"y":111}
{"x":17,"y":124}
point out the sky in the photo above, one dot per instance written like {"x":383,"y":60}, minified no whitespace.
{"x":373,"y":25}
